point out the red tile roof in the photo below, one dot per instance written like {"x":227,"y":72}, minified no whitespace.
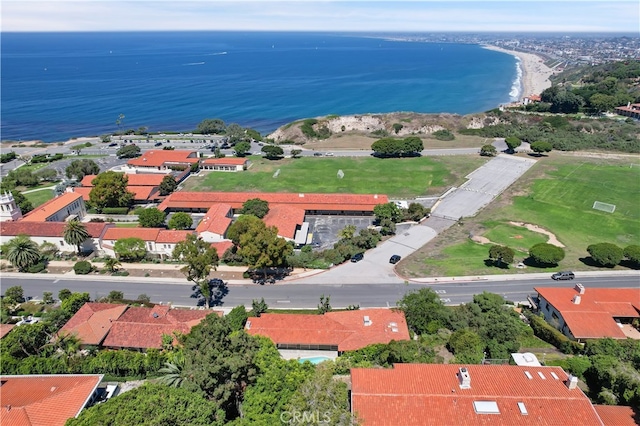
{"x":145,"y":234}
{"x":93,"y":321}
{"x":331,"y":202}
{"x":164,"y":158}
{"x":617,"y":415}
{"x":44,"y":400}
{"x":430,"y":394}
{"x":5,"y":329}
{"x":48,"y":229}
{"x":594,"y":316}
{"x":84,"y":191}
{"x":143,"y":193}
{"x":216,"y":220}
{"x":222,"y":246}
{"x":345,"y":329}
{"x":143,"y":327}
{"x":226,"y":161}
{"x":138,"y":179}
{"x":51,"y":207}
{"x":168,"y":236}
{"x":285,"y":218}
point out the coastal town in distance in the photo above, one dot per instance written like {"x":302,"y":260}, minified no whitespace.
{"x":367,"y":269}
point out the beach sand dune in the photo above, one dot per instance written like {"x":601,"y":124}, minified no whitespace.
{"x":535,"y":74}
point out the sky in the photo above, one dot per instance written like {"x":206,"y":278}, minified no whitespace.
{"x":323,"y":15}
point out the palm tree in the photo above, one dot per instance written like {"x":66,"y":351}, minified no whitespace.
{"x":173,"y":371}
{"x":111,"y":263}
{"x":75,"y":233}
{"x":22,"y":252}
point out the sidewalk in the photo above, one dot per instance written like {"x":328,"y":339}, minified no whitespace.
{"x":518,"y":277}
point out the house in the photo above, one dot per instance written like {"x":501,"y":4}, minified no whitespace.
{"x":58,"y":209}
{"x":92,"y":322}
{"x":290,"y":223}
{"x":53,"y":232}
{"x":148,"y":235}
{"x":617,"y":415}
{"x":630,"y":110}
{"x":45,"y":399}
{"x":119,"y":326}
{"x":142,"y":328}
{"x":312,"y":204}
{"x":213,"y":227}
{"x":226,"y":164}
{"x":329,"y":334}
{"x":593,"y":313}
{"x":453,"y":394}
{"x":164,"y":160}
{"x":167,"y":240}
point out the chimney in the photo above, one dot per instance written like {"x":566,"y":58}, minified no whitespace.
{"x":367,"y":321}
{"x":579,"y":288}
{"x":572,"y":381}
{"x":576,"y":299}
{"x":464,"y":378}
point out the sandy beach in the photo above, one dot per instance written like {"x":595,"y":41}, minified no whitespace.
{"x":535,"y":74}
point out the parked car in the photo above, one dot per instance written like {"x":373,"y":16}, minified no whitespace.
{"x":357,"y":257}
{"x":395,"y":259}
{"x":563,"y":275}
{"x":317,"y":154}
{"x":329,"y":154}
{"x":157,"y":144}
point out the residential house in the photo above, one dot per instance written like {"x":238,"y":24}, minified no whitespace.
{"x":328,"y":335}
{"x":45,"y":399}
{"x":225,"y":164}
{"x":92,"y":322}
{"x":61,"y":208}
{"x":630,"y":110}
{"x":213,"y":227}
{"x":53,"y":232}
{"x":453,"y":394}
{"x":591,"y":313}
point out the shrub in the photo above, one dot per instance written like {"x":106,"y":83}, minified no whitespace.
{"x":444,"y":135}
{"x":605,"y":254}
{"x":546,"y":332}
{"x":38,"y":267}
{"x":120,"y":273}
{"x":82,"y":267}
{"x":115,"y":210}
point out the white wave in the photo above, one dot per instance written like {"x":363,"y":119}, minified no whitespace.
{"x":193,"y":63}
{"x":516,"y":87}
{"x":216,"y":54}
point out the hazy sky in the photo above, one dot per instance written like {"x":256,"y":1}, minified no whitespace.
{"x":410,"y":16}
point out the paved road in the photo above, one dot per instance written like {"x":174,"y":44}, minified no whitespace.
{"x":295,"y":295}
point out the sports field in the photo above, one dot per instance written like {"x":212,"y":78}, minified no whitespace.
{"x":395,"y":177}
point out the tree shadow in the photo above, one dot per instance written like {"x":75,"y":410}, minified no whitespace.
{"x":491,"y":263}
{"x":590,"y":262}
{"x":529,"y":261}
{"x":629,"y":264}
{"x":218,"y":290}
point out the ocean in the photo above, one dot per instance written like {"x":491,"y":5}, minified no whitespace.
{"x":56,"y":86}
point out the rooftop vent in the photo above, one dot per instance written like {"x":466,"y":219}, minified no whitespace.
{"x":155,"y":315}
{"x":572,"y":381}
{"x":464,"y":378}
{"x":577,"y":299}
{"x":367,"y":321}
{"x":529,"y":376}
{"x":248,"y":325}
{"x":554,"y":375}
{"x":522,"y":408}
{"x":301,"y":195}
{"x":579,"y":288}
{"x":541,"y":375}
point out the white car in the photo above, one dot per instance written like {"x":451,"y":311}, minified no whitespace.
{"x":329,"y":154}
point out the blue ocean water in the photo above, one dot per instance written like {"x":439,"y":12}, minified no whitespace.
{"x":61,"y":85}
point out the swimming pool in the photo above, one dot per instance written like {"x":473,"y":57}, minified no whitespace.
{"x":315,"y":359}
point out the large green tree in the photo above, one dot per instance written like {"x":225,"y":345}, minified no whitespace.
{"x":75,"y":233}
{"x":242,"y":148}
{"x":261,"y":248}
{"x":200,"y":258}
{"x":129,"y":151}
{"x":512,"y":143}
{"x":501,"y":255}
{"x":180,"y":221}
{"x":467,"y":346}
{"x":22,"y":252}
{"x":388,"y":211}
{"x":606,"y":254}
{"x":219,"y":363}
{"x":541,"y":146}
{"x":110,"y":190}
{"x":632,"y":252}
{"x":256,"y":207}
{"x":488,"y":150}
{"x":130,"y":249}
{"x":272,"y":152}
{"x":168,"y":185}
{"x":546,"y":254}
{"x":151,"y":218}
{"x":424,"y":311}
{"x":211,"y":126}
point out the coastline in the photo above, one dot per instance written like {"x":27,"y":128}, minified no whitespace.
{"x":535,"y":74}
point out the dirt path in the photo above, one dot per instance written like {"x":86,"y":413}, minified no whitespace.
{"x":553,"y":240}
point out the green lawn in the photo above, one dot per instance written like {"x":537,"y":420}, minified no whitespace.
{"x":516,"y":237}
{"x":126,"y":224}
{"x":397,"y":177}
{"x":39,"y":197}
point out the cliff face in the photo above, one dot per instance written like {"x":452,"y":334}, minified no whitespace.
{"x":393,"y":124}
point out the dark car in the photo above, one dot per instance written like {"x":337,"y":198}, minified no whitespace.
{"x":357,"y":257}
{"x":317,"y":154}
{"x":157,"y":144}
{"x":564,"y":275}
{"x":395,"y":259}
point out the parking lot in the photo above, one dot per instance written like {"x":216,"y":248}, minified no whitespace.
{"x":325,"y":229}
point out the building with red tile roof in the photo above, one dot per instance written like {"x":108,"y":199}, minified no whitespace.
{"x":143,"y":328}
{"x":332,"y":332}
{"x":225,"y":164}
{"x":92,"y":322}
{"x":348,"y":204}
{"x":45,"y":400}
{"x":453,"y":394}
{"x":630,"y":110}
{"x":213,"y":226}
{"x":53,"y":232}
{"x":222,"y":246}
{"x":141,"y":194}
{"x":167,"y":239}
{"x":144,"y":186}
{"x":58,"y":209}
{"x":164,"y":159}
{"x":5,"y":329}
{"x":290,"y":221}
{"x":591,"y":313}
{"x":134,"y":179}
{"x":617,"y":415}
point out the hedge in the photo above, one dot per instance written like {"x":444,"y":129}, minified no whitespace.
{"x":115,"y":210}
{"x":82,"y":267}
{"x":549,"y":334}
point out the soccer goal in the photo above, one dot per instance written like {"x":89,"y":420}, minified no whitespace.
{"x":605,"y":207}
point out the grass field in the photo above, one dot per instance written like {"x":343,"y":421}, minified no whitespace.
{"x":556,"y":194}
{"x":403,"y":177}
{"x":38,"y":198}
{"x":126,"y":224}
